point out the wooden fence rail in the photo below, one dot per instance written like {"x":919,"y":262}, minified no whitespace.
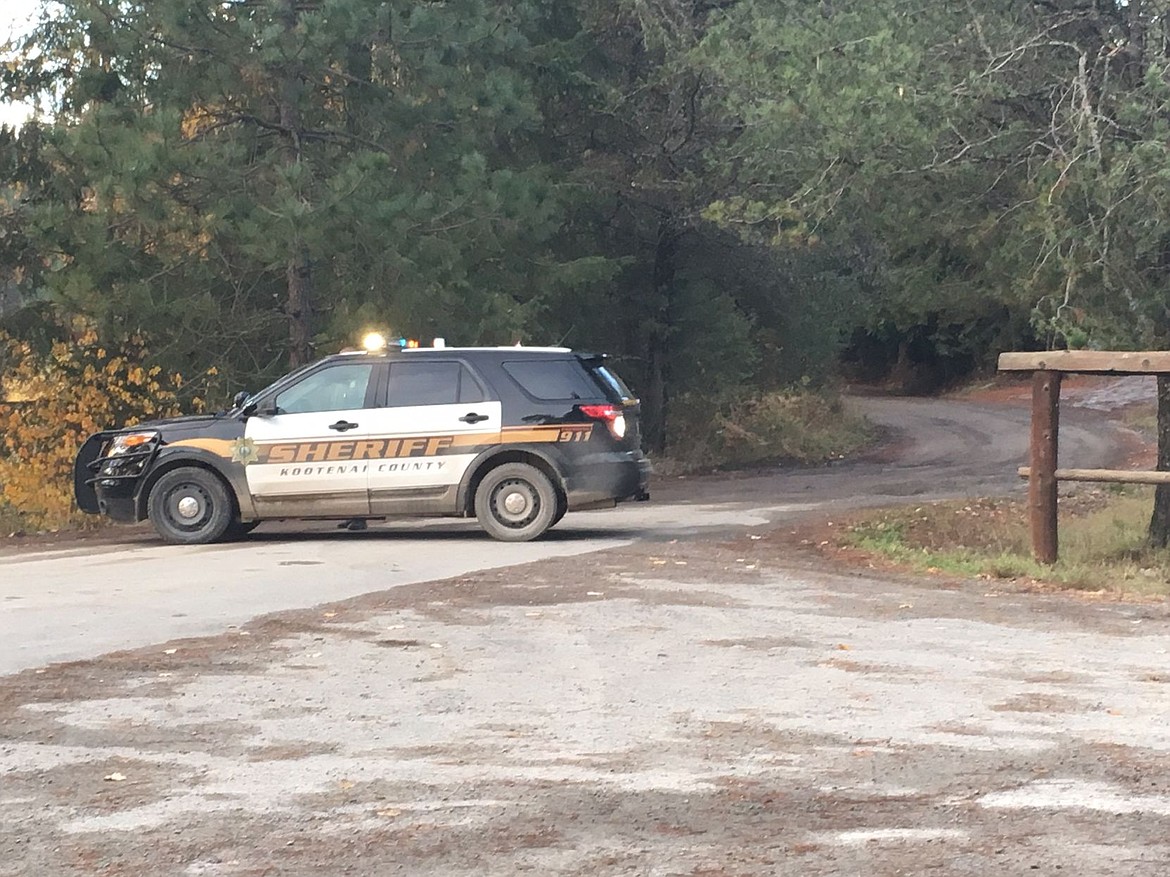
{"x":1112,"y":476}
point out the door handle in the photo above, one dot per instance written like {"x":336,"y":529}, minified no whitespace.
{"x":473,"y":417}
{"x":343,"y":425}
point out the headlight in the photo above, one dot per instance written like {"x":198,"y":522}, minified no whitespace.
{"x":131,"y":441}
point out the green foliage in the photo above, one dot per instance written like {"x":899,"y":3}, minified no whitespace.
{"x":246,"y":180}
{"x":382,"y":150}
{"x":723,"y":195}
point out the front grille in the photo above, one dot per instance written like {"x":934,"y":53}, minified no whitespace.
{"x":123,"y":467}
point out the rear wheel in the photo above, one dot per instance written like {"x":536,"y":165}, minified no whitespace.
{"x":562,"y":508}
{"x":190,"y":506}
{"x":516,"y":502}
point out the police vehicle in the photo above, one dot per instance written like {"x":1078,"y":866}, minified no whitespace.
{"x":516,"y":436}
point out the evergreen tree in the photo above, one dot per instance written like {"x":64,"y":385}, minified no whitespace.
{"x":229,"y":169}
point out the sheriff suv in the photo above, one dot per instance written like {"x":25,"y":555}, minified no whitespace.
{"x":516,"y":436}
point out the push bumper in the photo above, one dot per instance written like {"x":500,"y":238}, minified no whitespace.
{"x":109,"y":485}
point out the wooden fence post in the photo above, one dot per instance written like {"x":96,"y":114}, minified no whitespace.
{"x":1042,"y":454}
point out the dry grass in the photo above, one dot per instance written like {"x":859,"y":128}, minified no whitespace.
{"x":796,"y":426}
{"x":1102,"y":540}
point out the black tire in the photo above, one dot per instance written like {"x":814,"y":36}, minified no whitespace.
{"x":515,"y":502}
{"x":238,"y":529}
{"x":562,"y":508}
{"x":190,"y":506}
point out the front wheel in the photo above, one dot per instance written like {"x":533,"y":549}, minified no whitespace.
{"x":238,"y":529}
{"x":515,"y":502}
{"x":190,"y":506}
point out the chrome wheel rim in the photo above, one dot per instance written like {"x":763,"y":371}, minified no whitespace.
{"x":188,"y":507}
{"x":515,"y":503}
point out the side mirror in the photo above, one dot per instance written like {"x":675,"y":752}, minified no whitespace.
{"x":240,"y":398}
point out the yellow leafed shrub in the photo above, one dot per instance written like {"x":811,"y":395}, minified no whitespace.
{"x":50,"y":403}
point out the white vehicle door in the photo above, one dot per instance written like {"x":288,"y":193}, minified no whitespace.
{"x":308,"y":458}
{"x":437,"y":418}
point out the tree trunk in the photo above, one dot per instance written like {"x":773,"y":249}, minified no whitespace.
{"x":299,"y":268}
{"x":657,"y":396}
{"x":299,"y":276}
{"x":1159,"y":532}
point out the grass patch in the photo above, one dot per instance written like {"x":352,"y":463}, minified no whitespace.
{"x":15,"y":523}
{"x":11,"y":521}
{"x":1142,"y":419}
{"x":1102,"y":540}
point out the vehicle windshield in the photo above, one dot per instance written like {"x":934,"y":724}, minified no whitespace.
{"x":275,"y":386}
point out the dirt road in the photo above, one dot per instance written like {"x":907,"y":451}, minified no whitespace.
{"x":681,"y":703}
{"x":80,"y":600}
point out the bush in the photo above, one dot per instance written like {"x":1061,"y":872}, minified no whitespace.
{"x":53,"y":401}
{"x":792,"y":426}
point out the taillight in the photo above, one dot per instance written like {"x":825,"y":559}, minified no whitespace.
{"x":610,"y":415}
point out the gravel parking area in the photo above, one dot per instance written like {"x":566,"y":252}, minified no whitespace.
{"x":686,"y":708}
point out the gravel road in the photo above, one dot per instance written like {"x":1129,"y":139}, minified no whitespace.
{"x":698,"y":697}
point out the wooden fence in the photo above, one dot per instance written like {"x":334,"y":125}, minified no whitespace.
{"x":1042,"y":473}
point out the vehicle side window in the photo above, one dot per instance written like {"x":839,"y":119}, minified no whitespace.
{"x":431,"y":383}
{"x":552,"y":379}
{"x":336,"y":388}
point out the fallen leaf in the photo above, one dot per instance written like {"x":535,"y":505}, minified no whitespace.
{"x":841,"y":647}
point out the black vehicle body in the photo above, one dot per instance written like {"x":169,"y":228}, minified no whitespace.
{"x":416,"y":433}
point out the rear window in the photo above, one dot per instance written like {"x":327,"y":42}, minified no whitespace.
{"x":552,"y":379}
{"x":610,"y":380}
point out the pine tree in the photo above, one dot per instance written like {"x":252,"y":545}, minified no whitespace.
{"x":229,"y":168}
